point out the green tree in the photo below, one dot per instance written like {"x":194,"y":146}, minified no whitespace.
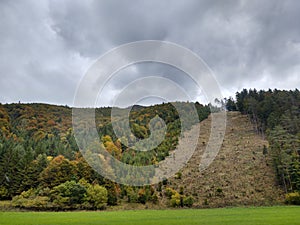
{"x":57,"y":172}
{"x":97,"y":196}
{"x":68,"y":194}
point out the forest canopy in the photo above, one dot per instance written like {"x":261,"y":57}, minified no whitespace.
{"x":41,"y":166}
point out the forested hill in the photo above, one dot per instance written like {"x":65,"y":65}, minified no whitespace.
{"x":258,"y":163}
{"x":36,"y":139}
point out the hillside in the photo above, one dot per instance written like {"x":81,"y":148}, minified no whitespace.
{"x":41,"y":168}
{"x":240,"y":175}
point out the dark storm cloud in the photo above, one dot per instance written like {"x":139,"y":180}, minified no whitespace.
{"x":46,"y":46}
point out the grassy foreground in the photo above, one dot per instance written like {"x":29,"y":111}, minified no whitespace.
{"x":251,"y":216}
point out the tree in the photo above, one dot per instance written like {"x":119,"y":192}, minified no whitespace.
{"x":230,"y":104}
{"x":57,"y":172}
{"x":32,"y":172}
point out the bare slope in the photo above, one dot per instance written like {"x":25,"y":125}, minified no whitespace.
{"x":240,"y":175}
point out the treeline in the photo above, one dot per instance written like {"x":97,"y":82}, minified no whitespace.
{"x":42,"y":168}
{"x":276,"y":115}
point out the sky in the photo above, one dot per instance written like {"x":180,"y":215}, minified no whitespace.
{"x":47,"y":46}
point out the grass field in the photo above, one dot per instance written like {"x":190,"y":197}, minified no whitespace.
{"x":238,"y":216}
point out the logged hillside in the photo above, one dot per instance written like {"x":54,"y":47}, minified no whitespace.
{"x":241,"y":174}
{"x":276,"y":116}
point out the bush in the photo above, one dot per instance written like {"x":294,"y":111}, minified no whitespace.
{"x":18,"y":201}
{"x":142,"y":196}
{"x":165,"y":181}
{"x":178,"y":175}
{"x":176,"y":200}
{"x":132,"y":195}
{"x":293,"y":198}
{"x":68,"y":194}
{"x":112,"y":193}
{"x":23,"y":199}
{"x":39,"y":202}
{"x":44,"y":191}
{"x":96,"y":195}
{"x":29,"y":199}
{"x":28,"y":194}
{"x":169,"y":192}
{"x":4,"y":194}
{"x":181,"y":190}
{"x":188,"y":201}
{"x":154,"y":198}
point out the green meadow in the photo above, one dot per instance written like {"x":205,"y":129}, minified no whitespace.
{"x":240,"y":216}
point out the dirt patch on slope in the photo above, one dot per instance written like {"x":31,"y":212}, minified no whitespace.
{"x":240,"y":174}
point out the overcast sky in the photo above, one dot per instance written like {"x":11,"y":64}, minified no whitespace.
{"x":47,"y":46}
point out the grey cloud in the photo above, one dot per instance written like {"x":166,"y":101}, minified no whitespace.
{"x":46,"y":46}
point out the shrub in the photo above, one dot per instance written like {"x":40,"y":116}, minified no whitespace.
{"x":181,"y":190}
{"x":293,"y":198}
{"x":176,"y":200}
{"x":188,"y":201}
{"x":219,"y":192}
{"x":159,"y":187}
{"x":4,"y":194}
{"x":112,"y":193}
{"x":96,"y":195}
{"x":132,"y":195}
{"x":154,"y":198}
{"x":39,"y":202}
{"x":165,"y":181}
{"x":68,"y":194}
{"x":142,"y":196}
{"x":18,"y":201}
{"x":29,"y":193}
{"x":112,"y":197}
{"x":30,"y":199}
{"x":169,"y":192}
{"x":178,"y":175}
{"x":44,"y":191}
{"x":206,"y":202}
{"x":22,"y":199}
